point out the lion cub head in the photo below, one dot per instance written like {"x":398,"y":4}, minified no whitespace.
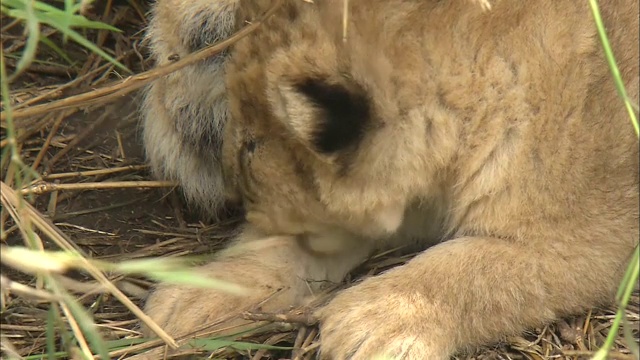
{"x":315,"y":133}
{"x":308,"y":148}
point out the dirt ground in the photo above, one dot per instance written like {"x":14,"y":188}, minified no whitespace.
{"x":101,"y":143}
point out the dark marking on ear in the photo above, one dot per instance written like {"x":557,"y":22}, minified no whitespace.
{"x":346,"y":113}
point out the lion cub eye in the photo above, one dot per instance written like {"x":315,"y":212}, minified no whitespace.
{"x":250,"y":146}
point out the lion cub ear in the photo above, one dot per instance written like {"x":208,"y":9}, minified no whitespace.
{"x":327,"y":116}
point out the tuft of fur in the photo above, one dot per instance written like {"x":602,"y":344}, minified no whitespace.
{"x":492,"y":138}
{"x":184,"y":113}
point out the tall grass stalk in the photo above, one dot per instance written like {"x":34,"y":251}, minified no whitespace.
{"x":630,"y":279}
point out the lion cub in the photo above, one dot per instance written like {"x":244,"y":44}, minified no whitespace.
{"x":493,"y":139}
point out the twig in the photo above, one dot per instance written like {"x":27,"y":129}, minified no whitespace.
{"x":309,"y":348}
{"x":123,"y":155}
{"x":47,"y":142}
{"x":8,"y":232}
{"x":175,"y":204}
{"x":135,"y":82}
{"x":58,"y":90}
{"x":26,"y":291}
{"x":78,"y":138}
{"x":345,"y":19}
{"x":94,"y":287}
{"x":292,"y":317}
{"x":63,"y":216}
{"x":75,"y":327}
{"x":10,"y":197}
{"x":95,"y":172}
{"x":94,"y":231}
{"x":52,"y":70}
{"x":7,"y":348}
{"x":43,"y":188}
{"x":260,"y":354}
{"x":300,"y":337}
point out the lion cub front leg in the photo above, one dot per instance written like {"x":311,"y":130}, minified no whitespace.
{"x":465,"y":292}
{"x":277,"y":271}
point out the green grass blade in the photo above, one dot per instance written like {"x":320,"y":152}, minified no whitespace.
{"x":51,"y":333}
{"x":174,"y":271}
{"x":79,"y":21}
{"x":62,"y":20}
{"x":631,"y":275}
{"x":31,"y":46}
{"x":628,"y":274}
{"x":65,"y":20}
{"x":629,"y":338}
{"x":628,"y":288}
{"x":216,"y":344}
{"x":46,"y":11}
{"x":91,"y":46}
{"x":89,"y":329}
{"x":615,"y":71}
{"x":124,"y":343}
{"x":57,"y":50}
{"x":193,"y":279}
{"x":56,"y":355}
{"x":66,"y":337}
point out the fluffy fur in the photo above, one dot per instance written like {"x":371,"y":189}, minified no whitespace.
{"x":493,"y":139}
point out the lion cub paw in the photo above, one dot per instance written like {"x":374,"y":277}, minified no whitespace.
{"x":374,"y":320}
{"x":183,"y":310}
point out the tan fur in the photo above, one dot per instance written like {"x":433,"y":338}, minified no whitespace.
{"x":495,"y":142}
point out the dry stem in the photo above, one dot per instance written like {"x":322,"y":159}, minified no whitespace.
{"x":292,"y":317}
{"x":43,"y":188}
{"x":10,"y":198}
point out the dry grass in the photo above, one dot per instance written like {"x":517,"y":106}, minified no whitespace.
{"x":94,"y":191}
